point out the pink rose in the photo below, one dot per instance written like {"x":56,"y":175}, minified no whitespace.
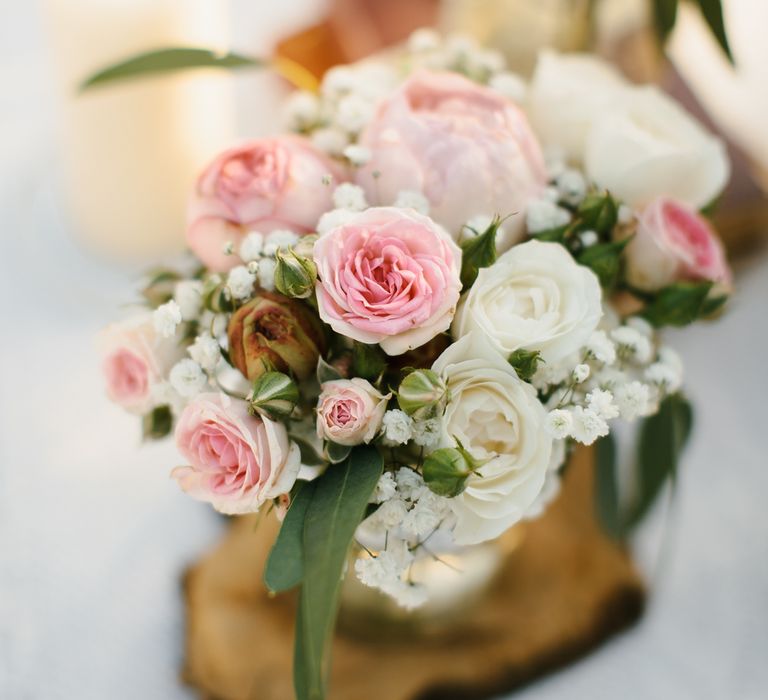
{"x":238,"y":461}
{"x":350,"y":411}
{"x":263,"y":185}
{"x":135,"y":361}
{"x":673,"y":242}
{"x":388,"y":276}
{"x":469,"y":150}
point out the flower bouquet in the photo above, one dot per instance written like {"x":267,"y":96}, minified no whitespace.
{"x":402,"y":318}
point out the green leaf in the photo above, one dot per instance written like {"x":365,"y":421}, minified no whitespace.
{"x":165,"y":61}
{"x":712,"y":10}
{"x":606,"y":487}
{"x":326,"y":372}
{"x":336,"y":509}
{"x":157,"y":424}
{"x":337,"y":453}
{"x":604,"y":259}
{"x":478,"y":252}
{"x":309,"y":455}
{"x":712,"y":305}
{"x":662,"y":438}
{"x":285,"y":565}
{"x":598,"y":212}
{"x":664,"y":15}
{"x":368,"y":361}
{"x":525,"y":362}
{"x":678,"y":304}
{"x":553,"y":235}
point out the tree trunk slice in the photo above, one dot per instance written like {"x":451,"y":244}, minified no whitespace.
{"x":562,"y":593}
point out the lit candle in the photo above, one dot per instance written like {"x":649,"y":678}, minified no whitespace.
{"x":132,"y":149}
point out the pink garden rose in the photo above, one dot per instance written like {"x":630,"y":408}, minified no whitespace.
{"x":466,"y":148}
{"x":674,"y":242}
{"x":135,"y":361}
{"x":350,"y":411}
{"x":237,"y":461}
{"x":388,"y":276}
{"x":263,"y":185}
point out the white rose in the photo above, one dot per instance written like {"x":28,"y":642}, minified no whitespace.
{"x":497,"y":417}
{"x":648,"y":146}
{"x":567,"y":94}
{"x":534,"y":297}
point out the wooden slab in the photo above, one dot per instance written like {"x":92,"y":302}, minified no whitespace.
{"x":563,"y":592}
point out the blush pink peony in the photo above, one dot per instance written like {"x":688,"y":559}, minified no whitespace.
{"x":467,"y":149}
{"x":269,"y":184}
{"x":135,"y":360}
{"x":388,"y":276}
{"x":350,"y":411}
{"x":674,"y":242}
{"x":237,"y":461}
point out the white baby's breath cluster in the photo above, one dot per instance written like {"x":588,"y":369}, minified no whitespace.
{"x":622,"y":372}
{"x":257,"y":251}
{"x":398,"y":532}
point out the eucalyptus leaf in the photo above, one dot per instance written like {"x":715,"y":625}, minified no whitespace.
{"x":664,"y":15}
{"x":309,"y":455}
{"x":337,"y":453}
{"x":157,"y":423}
{"x":712,"y":10}
{"x":606,"y":487}
{"x":662,"y":438}
{"x":166,"y":61}
{"x":335,"y":511}
{"x":285,"y":565}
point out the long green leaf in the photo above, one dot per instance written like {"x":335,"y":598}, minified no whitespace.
{"x":664,"y":15}
{"x":166,"y":61}
{"x":662,"y":438}
{"x":712,"y":10}
{"x":606,"y":488}
{"x":336,"y":510}
{"x":285,"y":565}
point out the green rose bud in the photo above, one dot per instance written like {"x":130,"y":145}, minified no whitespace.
{"x":216,"y":297}
{"x":422,"y":394}
{"x":525,"y":362}
{"x":446,"y":470}
{"x":599,"y":212}
{"x":274,"y":395}
{"x":295,"y":276}
{"x":274,"y":333}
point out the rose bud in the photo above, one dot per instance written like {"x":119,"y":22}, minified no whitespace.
{"x":274,"y":395}
{"x":274,"y":333}
{"x":674,"y":243}
{"x":350,"y":411}
{"x":422,"y":394}
{"x":295,"y":276}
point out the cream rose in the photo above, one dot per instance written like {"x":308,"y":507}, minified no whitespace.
{"x":135,"y":360}
{"x":350,"y":411}
{"x":566,"y":96}
{"x":534,"y":297}
{"x":648,"y":146}
{"x":497,"y":417}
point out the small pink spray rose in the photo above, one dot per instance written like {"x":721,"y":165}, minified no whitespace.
{"x":350,"y":411}
{"x":237,"y":461}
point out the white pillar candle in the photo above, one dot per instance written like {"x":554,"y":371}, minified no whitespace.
{"x":132,"y":149}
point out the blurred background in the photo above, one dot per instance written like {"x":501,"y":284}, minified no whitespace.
{"x":94,"y":535}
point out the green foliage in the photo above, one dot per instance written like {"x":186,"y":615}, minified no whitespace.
{"x":166,"y":61}
{"x":326,"y":372}
{"x":161,"y":283}
{"x":336,"y":508}
{"x":604,"y":259}
{"x":665,"y":16}
{"x":157,"y":423}
{"x":368,"y":361}
{"x":285,"y":565}
{"x":525,"y":362}
{"x":337,"y":453}
{"x":446,"y":471}
{"x":661,"y":441}
{"x":478,"y":252}
{"x":679,"y":304}
{"x":598,"y":212}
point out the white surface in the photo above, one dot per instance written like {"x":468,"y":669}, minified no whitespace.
{"x":94,"y":536}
